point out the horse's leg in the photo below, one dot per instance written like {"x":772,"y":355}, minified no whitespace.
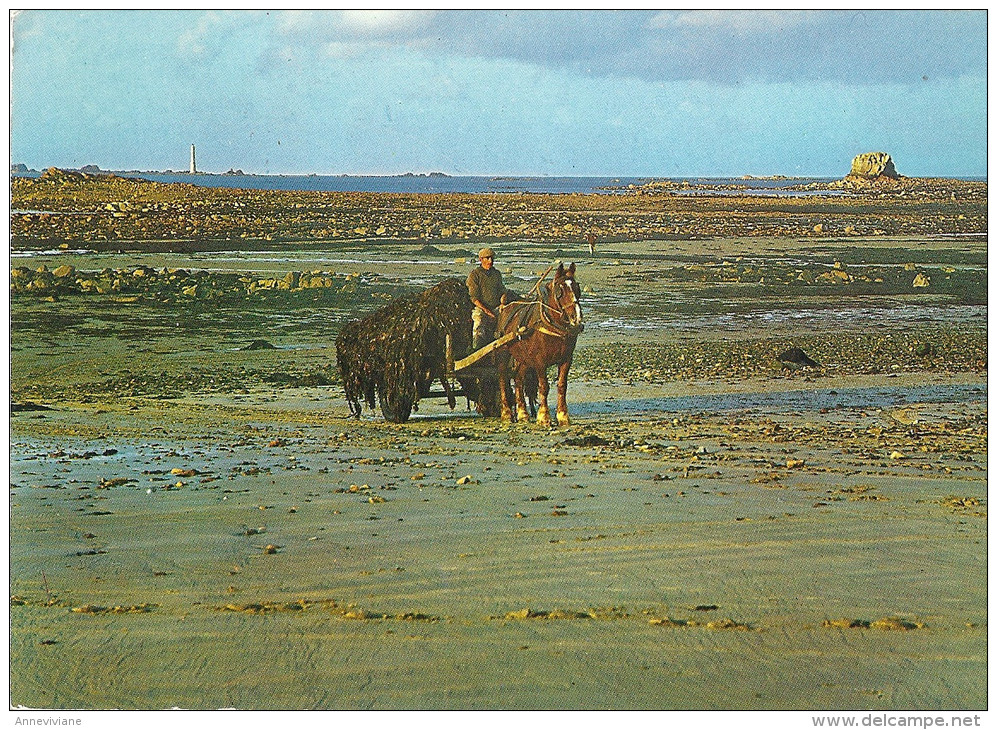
{"x":531,"y":391}
{"x":503,"y":377}
{"x":543,"y":387}
{"x":521,"y":413}
{"x":445,"y":381}
{"x":562,"y":394}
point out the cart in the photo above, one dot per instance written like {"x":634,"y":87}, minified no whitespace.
{"x":475,"y":375}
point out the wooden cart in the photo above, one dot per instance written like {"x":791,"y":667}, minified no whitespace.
{"x":476,"y":379}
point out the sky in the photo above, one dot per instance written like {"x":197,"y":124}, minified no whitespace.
{"x":602,"y":93}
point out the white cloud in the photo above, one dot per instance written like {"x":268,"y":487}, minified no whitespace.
{"x":376,"y":22}
{"x":741,"y":22}
{"x":344,"y":25}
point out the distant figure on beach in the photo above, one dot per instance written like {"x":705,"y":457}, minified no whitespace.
{"x":485,"y":287}
{"x":591,"y":240}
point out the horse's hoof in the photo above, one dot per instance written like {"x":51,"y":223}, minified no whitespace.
{"x":521,"y":415}
{"x":507,"y":415}
{"x":543,"y":418}
{"x":562,"y":419}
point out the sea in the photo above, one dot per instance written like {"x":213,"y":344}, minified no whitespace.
{"x":438,"y":183}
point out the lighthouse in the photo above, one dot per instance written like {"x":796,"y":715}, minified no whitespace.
{"x":193,"y":163}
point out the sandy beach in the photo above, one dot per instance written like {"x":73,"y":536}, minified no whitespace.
{"x":197,"y":524}
{"x":689,"y":560}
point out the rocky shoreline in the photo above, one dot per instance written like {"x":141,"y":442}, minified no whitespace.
{"x":172,"y":285}
{"x":109,"y":213}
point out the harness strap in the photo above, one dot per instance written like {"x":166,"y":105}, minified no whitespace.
{"x":546,"y":325}
{"x":552,"y":333}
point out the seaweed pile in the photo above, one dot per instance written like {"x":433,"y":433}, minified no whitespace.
{"x":395,"y":353}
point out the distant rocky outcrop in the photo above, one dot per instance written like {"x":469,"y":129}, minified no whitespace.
{"x":18,"y":168}
{"x":421,"y":174}
{"x":54,"y":174}
{"x":873,"y":166}
{"x":872,"y":172}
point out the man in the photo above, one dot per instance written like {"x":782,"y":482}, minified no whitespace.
{"x":485,"y":287}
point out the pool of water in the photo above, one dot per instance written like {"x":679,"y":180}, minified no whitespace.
{"x":808,"y":400}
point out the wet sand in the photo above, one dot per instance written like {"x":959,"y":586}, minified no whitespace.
{"x":297,"y":559}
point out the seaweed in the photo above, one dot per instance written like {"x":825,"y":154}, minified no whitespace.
{"x":394,"y":354}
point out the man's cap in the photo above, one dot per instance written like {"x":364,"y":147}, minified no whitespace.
{"x":486,"y":252}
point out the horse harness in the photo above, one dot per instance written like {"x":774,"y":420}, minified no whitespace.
{"x":546,"y":325}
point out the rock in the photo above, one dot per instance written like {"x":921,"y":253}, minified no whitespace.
{"x":893,"y":623}
{"x":63,"y":271}
{"x":845,"y":623}
{"x":796,"y":359}
{"x":872,"y":165}
{"x":921,"y":281}
{"x":27,"y":406}
{"x":258,"y":345}
{"x":836,"y":276}
{"x":54,"y":174}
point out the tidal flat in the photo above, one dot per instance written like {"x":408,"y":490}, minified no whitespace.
{"x":195,"y":521}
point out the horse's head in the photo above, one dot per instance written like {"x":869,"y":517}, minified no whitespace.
{"x":564,"y":294}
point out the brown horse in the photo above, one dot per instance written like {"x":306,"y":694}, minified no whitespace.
{"x":553,"y":322}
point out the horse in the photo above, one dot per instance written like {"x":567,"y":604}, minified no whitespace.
{"x":553,"y":321}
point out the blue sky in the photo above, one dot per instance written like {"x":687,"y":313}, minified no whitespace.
{"x":627,"y":93}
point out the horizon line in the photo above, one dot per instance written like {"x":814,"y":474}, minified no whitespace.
{"x":242,"y":173}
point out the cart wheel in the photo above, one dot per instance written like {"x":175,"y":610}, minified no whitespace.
{"x":489,"y":397}
{"x":395,"y":410}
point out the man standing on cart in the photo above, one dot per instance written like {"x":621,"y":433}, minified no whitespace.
{"x":485,"y":287}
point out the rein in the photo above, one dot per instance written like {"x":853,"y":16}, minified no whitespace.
{"x":551,"y":328}
{"x":546,"y":324}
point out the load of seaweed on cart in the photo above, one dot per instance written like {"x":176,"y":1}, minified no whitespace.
{"x":394,"y":354}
